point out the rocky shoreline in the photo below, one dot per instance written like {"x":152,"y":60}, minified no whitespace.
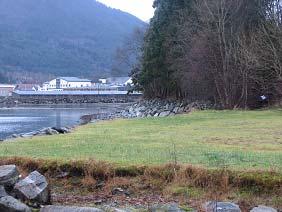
{"x":14,"y":100}
{"x":42,"y":132}
{"x":141,"y":109}
{"x":161,"y":108}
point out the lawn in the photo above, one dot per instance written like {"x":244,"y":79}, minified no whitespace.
{"x":236,"y":139}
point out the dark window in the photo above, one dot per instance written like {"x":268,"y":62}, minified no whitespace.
{"x":58,"y":83}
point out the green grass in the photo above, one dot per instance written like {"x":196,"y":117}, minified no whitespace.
{"x":237,"y":139}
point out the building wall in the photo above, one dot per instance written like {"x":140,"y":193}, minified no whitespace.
{"x":65,"y":84}
{"x":78,"y":85}
{"x":6,"y":91}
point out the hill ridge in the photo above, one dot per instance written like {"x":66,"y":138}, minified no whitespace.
{"x":61,"y":37}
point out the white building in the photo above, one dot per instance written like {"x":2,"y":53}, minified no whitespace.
{"x":64,"y":83}
{"x":103,"y":81}
{"x":6,"y":90}
{"x":117,"y":81}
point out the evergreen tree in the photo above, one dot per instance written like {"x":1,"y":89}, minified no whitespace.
{"x":227,"y":51}
{"x":157,"y":76}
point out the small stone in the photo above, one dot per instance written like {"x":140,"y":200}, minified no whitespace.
{"x":222,"y":207}
{"x":10,"y":204}
{"x":262,"y":208}
{"x":100,"y":185}
{"x":34,"y":188}
{"x":9,"y":175}
{"x":63,"y":175}
{"x":117,"y":191}
{"x":52,"y":208}
{"x":98,"y":202}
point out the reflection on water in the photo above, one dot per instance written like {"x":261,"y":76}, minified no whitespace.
{"x":30,"y":118}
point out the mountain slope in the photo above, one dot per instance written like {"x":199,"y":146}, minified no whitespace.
{"x":61,"y":37}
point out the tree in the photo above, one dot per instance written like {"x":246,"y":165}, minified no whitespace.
{"x":128,"y":55}
{"x":227,"y":51}
{"x":157,"y":76}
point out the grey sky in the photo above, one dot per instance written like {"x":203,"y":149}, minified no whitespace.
{"x":140,"y":8}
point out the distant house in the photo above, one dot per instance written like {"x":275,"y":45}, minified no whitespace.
{"x":117,"y":81}
{"x":64,"y":83}
{"x":26,"y":87}
{"x":103,"y":81}
{"x":6,"y":90}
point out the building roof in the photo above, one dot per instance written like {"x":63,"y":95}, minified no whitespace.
{"x":7,"y":86}
{"x":25,"y":87}
{"x":74,"y":79}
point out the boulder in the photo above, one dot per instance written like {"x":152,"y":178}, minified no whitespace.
{"x":28,"y":135}
{"x":9,"y":175}
{"x":3,"y":192}
{"x":165,"y":208}
{"x":52,"y":208}
{"x":10,"y":204}
{"x":175,"y":110}
{"x":50,"y":131}
{"x":222,"y":207}
{"x":34,"y":188}
{"x":164,"y":114}
{"x":62,"y":130}
{"x":262,"y":208}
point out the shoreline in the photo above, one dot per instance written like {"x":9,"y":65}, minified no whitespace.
{"x":68,"y":99}
{"x":52,"y":130}
{"x":141,"y":109}
{"x":100,"y":182}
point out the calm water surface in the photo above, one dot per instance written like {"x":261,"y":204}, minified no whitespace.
{"x":30,"y":118}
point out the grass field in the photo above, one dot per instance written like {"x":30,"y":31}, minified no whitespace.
{"x":237,"y":139}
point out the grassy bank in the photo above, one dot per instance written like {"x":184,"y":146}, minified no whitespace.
{"x":235,"y":139}
{"x":225,"y":155}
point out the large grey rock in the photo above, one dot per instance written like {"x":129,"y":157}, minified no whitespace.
{"x":50,"y":131}
{"x":3,"y":192}
{"x":34,"y":188}
{"x":164,"y":114}
{"x":52,"y":208}
{"x":10,"y":204}
{"x":9,"y":175}
{"x":222,"y":207}
{"x":165,"y":208}
{"x":262,"y":208}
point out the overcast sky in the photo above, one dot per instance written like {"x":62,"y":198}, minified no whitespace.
{"x":140,"y":8}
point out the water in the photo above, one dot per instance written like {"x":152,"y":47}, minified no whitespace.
{"x":31,"y":118}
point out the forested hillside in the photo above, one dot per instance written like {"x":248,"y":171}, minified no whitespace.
{"x":225,"y":51}
{"x":61,"y":37}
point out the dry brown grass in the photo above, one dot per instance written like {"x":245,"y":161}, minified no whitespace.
{"x":178,"y":181}
{"x":190,"y":175}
